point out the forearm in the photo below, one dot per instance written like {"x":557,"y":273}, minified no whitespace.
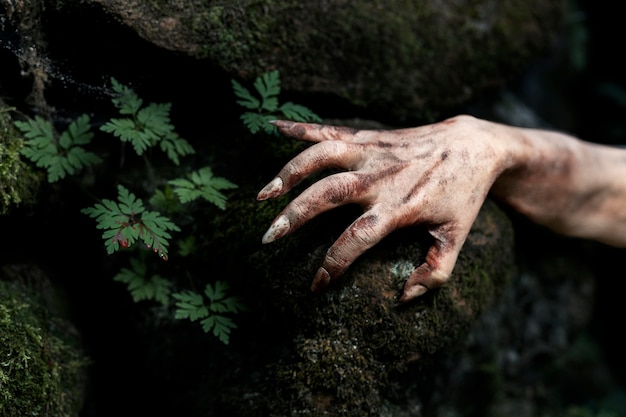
{"x":576,"y":188}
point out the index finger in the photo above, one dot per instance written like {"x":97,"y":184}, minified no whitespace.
{"x":314,"y":132}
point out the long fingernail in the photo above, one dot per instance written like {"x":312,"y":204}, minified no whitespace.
{"x":270,"y":190}
{"x":321,"y":280}
{"x":412,"y":292}
{"x":278,"y":229}
{"x":284,"y":124}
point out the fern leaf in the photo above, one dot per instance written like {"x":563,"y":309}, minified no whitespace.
{"x":125,"y":98}
{"x":246,"y":99}
{"x":219,"y":303}
{"x":220,"y":325}
{"x":217,"y":292}
{"x":37,"y":127}
{"x":155,"y":118}
{"x":130,"y":204}
{"x":175,"y":147}
{"x":202,"y":183}
{"x":190,"y":306}
{"x":166,"y":200}
{"x":187,"y":246}
{"x":61,"y":157}
{"x":123,"y":226}
{"x":140,"y":287}
{"x":79,"y":158}
{"x":79,"y":131}
{"x":268,"y":86}
{"x":298,"y":113}
{"x":121,"y":128}
{"x":153,"y":230}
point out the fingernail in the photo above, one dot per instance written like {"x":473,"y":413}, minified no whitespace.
{"x":282,"y":124}
{"x":270,"y":190}
{"x":412,"y":292}
{"x":321,"y":280}
{"x":278,"y":229}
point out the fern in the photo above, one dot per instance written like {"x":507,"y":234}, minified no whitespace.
{"x":187,"y":246}
{"x":202,"y":183}
{"x":267,"y":108}
{"x":141,"y":287}
{"x":191,"y":305}
{"x":128,"y":221}
{"x":61,"y":157}
{"x":147,"y":126}
{"x":166,"y":200}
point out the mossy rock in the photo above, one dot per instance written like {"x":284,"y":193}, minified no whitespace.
{"x":351,"y":350}
{"x":18,"y":182}
{"x":43,"y":366}
{"x":409,"y":59}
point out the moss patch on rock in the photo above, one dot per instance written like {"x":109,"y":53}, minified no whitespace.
{"x":351,"y":350}
{"x":404,"y":59}
{"x":42,"y":366}
{"x":18,"y":182}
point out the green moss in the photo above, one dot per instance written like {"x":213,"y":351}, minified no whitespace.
{"x":352,"y":345}
{"x":18,"y":182}
{"x":41,"y":365}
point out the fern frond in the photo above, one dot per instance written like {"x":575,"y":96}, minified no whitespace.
{"x":268,"y":86}
{"x":190,"y":306}
{"x":246,"y":99}
{"x":175,"y":147}
{"x":202,"y":184}
{"x":128,"y":221}
{"x":221,"y":326}
{"x":298,"y":113}
{"x":61,"y":157}
{"x":125,"y":99}
{"x":219,"y":302}
{"x":256,"y":122}
{"x":36,"y":128}
{"x":147,"y":125}
{"x":166,"y":200}
{"x":268,"y":108}
{"x":155,"y":118}
{"x":141,"y":287}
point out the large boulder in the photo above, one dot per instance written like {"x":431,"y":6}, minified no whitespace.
{"x":399,"y":59}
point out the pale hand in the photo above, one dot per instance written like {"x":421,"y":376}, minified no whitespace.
{"x":439,"y":176}
{"x":436,"y":175}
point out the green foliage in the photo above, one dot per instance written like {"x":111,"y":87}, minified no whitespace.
{"x":126,"y":220}
{"x":141,"y":287}
{"x":187,"y":246}
{"x":129,"y":221}
{"x":147,"y":126}
{"x":191,"y":305}
{"x":166,"y":200}
{"x":202,"y":183}
{"x":59,"y":157}
{"x":267,"y":108}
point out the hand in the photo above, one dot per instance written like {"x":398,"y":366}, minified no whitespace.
{"x":436,"y":175}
